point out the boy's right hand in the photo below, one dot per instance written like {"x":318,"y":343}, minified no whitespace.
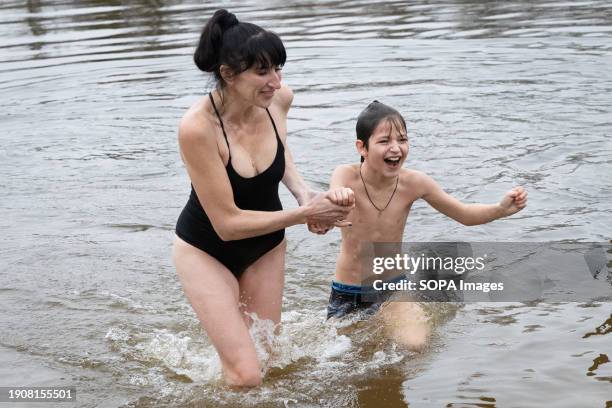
{"x":343,"y":196}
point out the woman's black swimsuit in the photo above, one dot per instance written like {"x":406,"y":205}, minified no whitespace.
{"x":258,"y":193}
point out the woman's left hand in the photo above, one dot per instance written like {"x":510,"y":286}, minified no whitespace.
{"x":342,"y":197}
{"x":514,"y":201}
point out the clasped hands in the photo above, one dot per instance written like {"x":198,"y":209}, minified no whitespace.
{"x":330,"y":209}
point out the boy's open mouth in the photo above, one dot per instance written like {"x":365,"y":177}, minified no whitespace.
{"x":393,"y":161}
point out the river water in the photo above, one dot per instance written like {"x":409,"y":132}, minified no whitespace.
{"x":495,"y":94}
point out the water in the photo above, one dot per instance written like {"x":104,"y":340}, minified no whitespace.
{"x":495,"y":94}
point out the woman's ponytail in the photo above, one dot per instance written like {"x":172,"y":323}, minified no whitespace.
{"x":206,"y":56}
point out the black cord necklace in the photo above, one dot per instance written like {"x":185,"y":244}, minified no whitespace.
{"x":368,"y":194}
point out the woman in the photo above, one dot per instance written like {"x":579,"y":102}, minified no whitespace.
{"x":230,"y":249}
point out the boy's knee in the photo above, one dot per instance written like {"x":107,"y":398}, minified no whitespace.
{"x":243,"y":375}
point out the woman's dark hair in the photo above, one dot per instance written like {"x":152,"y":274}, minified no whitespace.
{"x":239,"y":45}
{"x":372,"y":115}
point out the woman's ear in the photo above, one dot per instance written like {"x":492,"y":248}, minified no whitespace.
{"x":226,"y":74}
{"x":361,"y":148}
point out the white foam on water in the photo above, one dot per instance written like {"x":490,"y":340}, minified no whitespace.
{"x":304,"y":336}
{"x":262,"y":333}
{"x":116,"y":334}
{"x":177,"y":352}
{"x":316,"y":352}
{"x":341,"y":345}
{"x":180,"y":354}
{"x":169,"y":348}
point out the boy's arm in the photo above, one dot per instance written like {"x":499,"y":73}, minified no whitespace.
{"x":339,"y":193}
{"x":471,"y":214}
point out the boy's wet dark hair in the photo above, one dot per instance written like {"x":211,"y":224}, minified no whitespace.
{"x":372,"y":115}
{"x":239,"y":45}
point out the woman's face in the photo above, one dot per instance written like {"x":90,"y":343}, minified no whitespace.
{"x":387,"y":148}
{"x":257,"y":85}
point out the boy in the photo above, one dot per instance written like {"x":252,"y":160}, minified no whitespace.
{"x":383,"y":194}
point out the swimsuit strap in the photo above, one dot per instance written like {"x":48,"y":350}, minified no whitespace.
{"x":222,"y":127}
{"x":273,"y":125}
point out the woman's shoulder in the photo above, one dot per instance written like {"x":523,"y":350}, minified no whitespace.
{"x":283,"y":98}
{"x":197,"y":124}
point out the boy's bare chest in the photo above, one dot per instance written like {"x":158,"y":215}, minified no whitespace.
{"x":370,"y":224}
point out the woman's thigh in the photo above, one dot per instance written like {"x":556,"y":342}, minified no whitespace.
{"x":213,"y":293}
{"x":261,"y":285}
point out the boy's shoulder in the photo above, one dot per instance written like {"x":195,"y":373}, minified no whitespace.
{"x":346,"y":171}
{"x":411,"y":175}
{"x":349,"y":172}
{"x":414,"y":180}
{"x":345,"y":175}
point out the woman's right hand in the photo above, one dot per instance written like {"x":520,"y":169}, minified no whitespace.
{"x":331,"y":207}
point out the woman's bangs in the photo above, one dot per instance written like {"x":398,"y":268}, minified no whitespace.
{"x":266,"y":50}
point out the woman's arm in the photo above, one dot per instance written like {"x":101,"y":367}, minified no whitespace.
{"x":294,"y":181}
{"x":338,"y":194}
{"x":292,"y":178}
{"x":209,"y":178}
{"x":471,"y":214}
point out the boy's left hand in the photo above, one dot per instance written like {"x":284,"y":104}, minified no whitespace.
{"x":514,"y":201}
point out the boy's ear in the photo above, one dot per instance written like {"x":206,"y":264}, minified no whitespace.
{"x":361,"y":148}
